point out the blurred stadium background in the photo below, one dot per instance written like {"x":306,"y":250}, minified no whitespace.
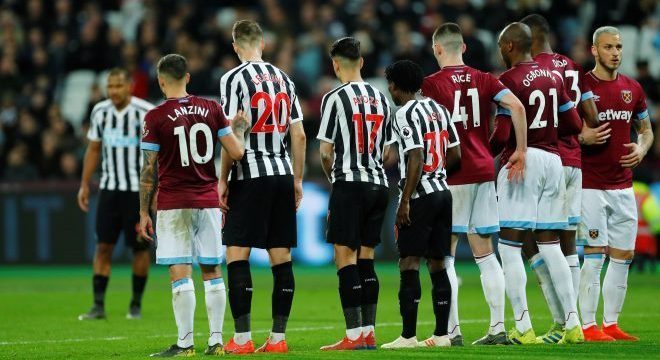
{"x":55,"y":54}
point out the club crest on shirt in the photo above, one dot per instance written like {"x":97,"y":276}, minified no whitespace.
{"x":626,"y":95}
{"x":593,"y":233}
{"x":406,"y":132}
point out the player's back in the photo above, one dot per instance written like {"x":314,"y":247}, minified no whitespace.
{"x":468,"y":94}
{"x":574,"y":87}
{"x":619,"y":102}
{"x":268,"y":97}
{"x":436,"y":135}
{"x":355,"y":117}
{"x":184,"y":131}
{"x":540,"y":92}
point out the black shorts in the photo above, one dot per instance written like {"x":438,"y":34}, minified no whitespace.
{"x":355,"y":214}
{"x":119,"y":211}
{"x":262,"y":213}
{"x":429,"y":234}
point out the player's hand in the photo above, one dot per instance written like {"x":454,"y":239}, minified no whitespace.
{"x":297,"y":186}
{"x":83,"y":197}
{"x":240,"y":123}
{"x":403,"y":214}
{"x":146,"y":227}
{"x":634,"y":158}
{"x":516,"y":166}
{"x":596,"y":136}
{"x":223,"y":190}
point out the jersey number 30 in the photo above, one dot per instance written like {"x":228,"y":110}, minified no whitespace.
{"x":180,"y":132}
{"x":437,"y":150}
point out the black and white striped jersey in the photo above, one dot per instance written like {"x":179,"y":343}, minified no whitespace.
{"x":119,"y":132}
{"x":425,"y":124}
{"x":269,"y":98}
{"x":357,"y":119}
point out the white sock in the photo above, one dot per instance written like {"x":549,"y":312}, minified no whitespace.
{"x":367,"y":329}
{"x":590,"y":287}
{"x":515,"y":282}
{"x":615,"y":285}
{"x":561,"y":280}
{"x":545,"y":281}
{"x":276,"y":337}
{"x":216,"y":302}
{"x":183,"y":302}
{"x":242,"y":338}
{"x":492,"y":282}
{"x":353,"y":334}
{"x":453,"y":327}
{"x":574,"y":264}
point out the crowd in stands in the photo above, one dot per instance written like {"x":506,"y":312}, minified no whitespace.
{"x":43,"y":42}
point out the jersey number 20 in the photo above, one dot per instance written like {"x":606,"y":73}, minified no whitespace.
{"x":272,"y":111}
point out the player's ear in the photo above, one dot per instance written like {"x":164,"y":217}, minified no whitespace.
{"x":187,"y":78}
{"x":594,"y":50}
{"x":262,"y":45}
{"x":361,"y":62}
{"x":233,"y":45}
{"x":463,"y":48}
{"x":335,"y":65}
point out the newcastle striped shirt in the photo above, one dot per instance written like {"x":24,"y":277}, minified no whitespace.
{"x":119,"y":132}
{"x":356,"y":118}
{"x":269,"y":98}
{"x":425,"y":124}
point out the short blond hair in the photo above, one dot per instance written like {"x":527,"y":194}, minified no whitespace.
{"x":247,"y":32}
{"x":611,"y":30}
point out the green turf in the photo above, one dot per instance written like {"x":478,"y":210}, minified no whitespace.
{"x":38,"y":317}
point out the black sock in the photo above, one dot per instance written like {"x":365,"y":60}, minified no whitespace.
{"x":441,"y":294}
{"x":410,"y":291}
{"x":283,"y":288}
{"x":99,"y":284}
{"x":240,"y":294}
{"x":370,"y":287}
{"x":139,"y":283}
{"x":349,"y":293}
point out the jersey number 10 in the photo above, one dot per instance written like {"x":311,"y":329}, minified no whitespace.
{"x":180,"y":132}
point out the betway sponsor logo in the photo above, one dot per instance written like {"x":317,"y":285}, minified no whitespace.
{"x":610,"y":114}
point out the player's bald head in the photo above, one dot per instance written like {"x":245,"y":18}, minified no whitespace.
{"x":518,"y":34}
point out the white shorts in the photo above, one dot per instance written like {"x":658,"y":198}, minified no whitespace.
{"x":538,"y":202}
{"x":609,"y":218}
{"x":185,"y":235}
{"x":474,"y":208}
{"x":573,"y":178}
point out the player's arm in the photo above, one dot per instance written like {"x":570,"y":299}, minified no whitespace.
{"x":327,"y":151}
{"x":413,"y":174}
{"x":570,"y":122}
{"x":233,"y":142}
{"x":644,"y":141}
{"x":508,"y":102}
{"x":148,"y":187}
{"x":90,"y":163}
{"x":298,"y":148}
{"x":587,"y":108}
{"x":500,"y":134}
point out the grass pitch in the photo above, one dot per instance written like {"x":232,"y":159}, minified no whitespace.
{"x":40,"y":305}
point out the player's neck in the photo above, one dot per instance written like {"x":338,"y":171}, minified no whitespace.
{"x":543,"y":48}
{"x":604,"y":74}
{"x":123,"y":104}
{"x":250,"y":56}
{"x":176,"y":93}
{"x":520,"y":58}
{"x":351,"y":76}
{"x":407,"y":97}
{"x":451,"y":61}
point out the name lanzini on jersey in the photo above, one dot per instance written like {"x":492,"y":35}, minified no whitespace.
{"x":188,"y":110}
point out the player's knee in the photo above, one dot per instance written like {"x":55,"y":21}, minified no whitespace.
{"x":210,"y":271}
{"x":279,"y":256}
{"x":409,"y":263}
{"x":595,"y":250}
{"x":620,"y":254}
{"x":104,"y":251}
{"x":435,"y":265}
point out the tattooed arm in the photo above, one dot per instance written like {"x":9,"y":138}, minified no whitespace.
{"x":148,"y":187}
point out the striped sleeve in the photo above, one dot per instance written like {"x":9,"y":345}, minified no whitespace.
{"x":328,"y":128}
{"x":408,"y":129}
{"x":390,"y":119}
{"x":95,"y":132}
{"x":231,"y":92}
{"x":296,"y":112}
